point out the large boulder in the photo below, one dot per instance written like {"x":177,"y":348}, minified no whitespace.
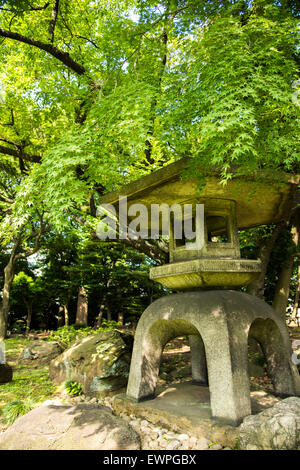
{"x":273,"y":429}
{"x":99,"y":362}
{"x":80,"y":427}
{"x":41,"y":352}
{"x":6,"y":373}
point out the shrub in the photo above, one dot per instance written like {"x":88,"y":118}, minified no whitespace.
{"x":14,"y":410}
{"x":68,"y":334}
{"x":73,"y":388}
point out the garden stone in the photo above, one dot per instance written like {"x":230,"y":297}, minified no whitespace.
{"x":216,"y":447}
{"x":6,"y":373}
{"x":277,"y":428}
{"x":173,"y":445}
{"x":202,"y":444}
{"x":40,"y":351}
{"x":162,"y":442}
{"x":99,"y":362}
{"x":81,"y":427}
{"x":193,"y":441}
{"x":183,"y":437}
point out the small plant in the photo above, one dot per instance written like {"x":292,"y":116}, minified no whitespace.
{"x":213,"y":444}
{"x":68,"y":334}
{"x":73,"y":388}
{"x":14,"y":410}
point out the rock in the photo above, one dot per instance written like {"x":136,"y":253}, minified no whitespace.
{"x":6,"y":373}
{"x":183,"y":437}
{"x":173,"y":445}
{"x":275,"y":428}
{"x":76,"y":399}
{"x":99,"y":362}
{"x":126,"y":418}
{"x":202,"y":444}
{"x":52,"y":402}
{"x":162,"y":442}
{"x":41,"y":351}
{"x":216,"y":447}
{"x":81,"y":427}
{"x":193,"y":441}
{"x":135,"y":424}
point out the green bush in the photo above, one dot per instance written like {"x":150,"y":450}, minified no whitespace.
{"x":68,"y":334}
{"x":73,"y":388}
{"x":14,"y":410}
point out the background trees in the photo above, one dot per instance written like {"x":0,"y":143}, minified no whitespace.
{"x":114,"y":277}
{"x":95,"y":94}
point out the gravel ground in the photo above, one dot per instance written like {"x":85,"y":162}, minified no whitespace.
{"x":154,"y":437}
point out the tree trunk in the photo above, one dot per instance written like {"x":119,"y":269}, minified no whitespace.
{"x":257,"y":287}
{"x":282,"y":291}
{"x":109,"y":317}
{"x":60,"y":316}
{"x":101,"y":311}
{"x":82,"y":307}
{"x":104,"y":303}
{"x":294,"y":317}
{"x":4,"y":305}
{"x":29,"y":314}
{"x":66,"y":313}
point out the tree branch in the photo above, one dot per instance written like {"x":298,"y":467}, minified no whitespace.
{"x":53,"y":20}
{"x":87,"y":39}
{"x":154,"y":249}
{"x":28,"y":9}
{"x":6,"y":200}
{"x":12,"y":122}
{"x":37,"y":235}
{"x":62,"y":56}
{"x":18,"y":153}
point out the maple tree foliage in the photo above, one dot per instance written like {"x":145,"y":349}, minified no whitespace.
{"x":97,"y":93}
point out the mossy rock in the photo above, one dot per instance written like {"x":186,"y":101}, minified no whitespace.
{"x":99,"y":362}
{"x":41,"y":352}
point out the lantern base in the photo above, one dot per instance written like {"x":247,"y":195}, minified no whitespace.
{"x":207,"y":273}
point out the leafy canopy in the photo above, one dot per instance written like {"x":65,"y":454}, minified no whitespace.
{"x":152,"y":82}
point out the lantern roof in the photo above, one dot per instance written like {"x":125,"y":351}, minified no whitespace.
{"x":261,"y":198}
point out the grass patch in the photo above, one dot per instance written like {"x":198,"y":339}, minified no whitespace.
{"x":14,"y":346}
{"x":14,"y":410}
{"x":30,"y":386}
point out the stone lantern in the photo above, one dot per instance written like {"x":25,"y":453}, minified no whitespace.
{"x":218,"y":319}
{"x":218,"y":263}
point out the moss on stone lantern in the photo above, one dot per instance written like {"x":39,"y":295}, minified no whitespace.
{"x":244,"y":202}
